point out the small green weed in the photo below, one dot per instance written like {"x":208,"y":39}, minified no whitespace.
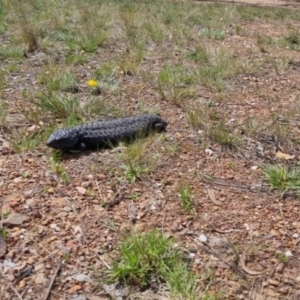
{"x":96,"y":107}
{"x":216,"y":131}
{"x":281,"y":257}
{"x":219,"y":134}
{"x":5,"y":214}
{"x":107,"y":76}
{"x":56,"y":79}
{"x":14,"y":67}
{"x":68,"y":110}
{"x":3,"y":113}
{"x":138,"y":160}
{"x":26,"y":24}
{"x":131,"y":18}
{"x":174,"y":83}
{"x":197,"y":117}
{"x":3,"y":82}
{"x":186,"y":198}
{"x":282,"y":178}
{"x":24,"y":142}
{"x":199,"y":54}
{"x":11,"y":52}
{"x":4,"y":233}
{"x":220,"y":66}
{"x":92,"y":42}
{"x":152,"y":258}
{"x":264,"y":42}
{"x":155,"y":31}
{"x":293,"y":40}
{"x":213,"y":34}
{"x":93,"y":30}
{"x":131,"y":58}
{"x":57,"y":166}
{"x":76,"y":59}
{"x":57,"y":105}
{"x":29,"y":34}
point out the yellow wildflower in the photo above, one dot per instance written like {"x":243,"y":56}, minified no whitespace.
{"x":92,"y":83}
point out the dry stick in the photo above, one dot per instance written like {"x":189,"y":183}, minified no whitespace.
{"x":252,"y":288}
{"x":222,"y":163}
{"x":52,"y":281}
{"x":111,"y":228}
{"x":235,"y":269}
{"x":99,"y":191}
{"x":104,"y":262}
{"x":25,"y":290}
{"x":220,"y":231}
{"x":166,"y":201}
{"x":118,"y":197}
{"x":208,"y":250}
{"x":273,"y":270}
{"x":16,"y":292}
{"x":40,"y":246}
{"x":208,"y":180}
{"x":163,"y":223}
{"x":280,"y":209}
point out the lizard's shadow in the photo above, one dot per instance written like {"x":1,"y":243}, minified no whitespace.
{"x":66,"y":155}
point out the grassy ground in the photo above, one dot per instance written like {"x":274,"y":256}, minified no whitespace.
{"x":209,"y":209}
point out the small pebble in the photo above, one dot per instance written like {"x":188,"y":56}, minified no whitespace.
{"x":203,"y":238}
{"x":288,"y":253}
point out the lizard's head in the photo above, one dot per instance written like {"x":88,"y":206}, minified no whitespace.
{"x":63,"y":139}
{"x":158,"y":123}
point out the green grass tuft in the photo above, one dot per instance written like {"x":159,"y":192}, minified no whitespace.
{"x":150,"y":259}
{"x":282,"y":178}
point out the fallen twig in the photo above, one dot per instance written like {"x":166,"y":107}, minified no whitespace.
{"x":116,"y":200}
{"x":209,"y":250}
{"x":207,"y":179}
{"x":52,"y":281}
{"x":238,"y":272}
{"x":16,"y":292}
{"x":243,"y":263}
{"x":221,"y":231}
{"x":280,"y":209}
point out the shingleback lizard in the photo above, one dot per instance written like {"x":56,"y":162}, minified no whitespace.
{"x":104,"y":133}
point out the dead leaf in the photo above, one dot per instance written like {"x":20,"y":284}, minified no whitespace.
{"x":81,"y":278}
{"x":2,"y":246}
{"x":285,"y":156}
{"x":59,"y":202}
{"x":81,"y":190}
{"x":74,"y":289}
{"x":14,"y":219}
{"x":22,"y":283}
{"x":212,"y":197}
{"x":40,"y":278}
{"x":243,"y":264}
{"x":132,"y":211}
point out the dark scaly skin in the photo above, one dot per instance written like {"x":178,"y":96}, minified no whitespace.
{"x":105,"y":133}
